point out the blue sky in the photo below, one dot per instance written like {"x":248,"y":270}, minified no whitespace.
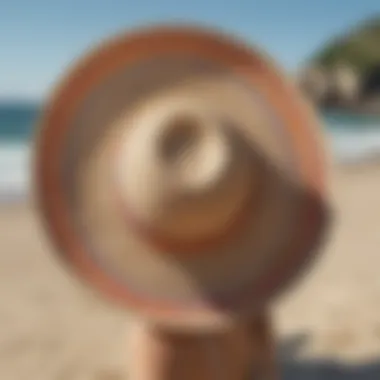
{"x":39,"y":38}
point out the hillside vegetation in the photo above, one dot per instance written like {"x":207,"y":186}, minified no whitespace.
{"x":360,"y":48}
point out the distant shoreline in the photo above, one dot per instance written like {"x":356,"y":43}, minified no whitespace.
{"x":356,"y":110}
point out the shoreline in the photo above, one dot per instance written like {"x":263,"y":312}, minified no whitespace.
{"x":25,"y":197}
{"x":360,"y":110}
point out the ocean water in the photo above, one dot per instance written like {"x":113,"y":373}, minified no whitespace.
{"x":352,"y":138}
{"x":16,"y":131}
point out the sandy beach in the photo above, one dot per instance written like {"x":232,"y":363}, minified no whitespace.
{"x":328,"y":325}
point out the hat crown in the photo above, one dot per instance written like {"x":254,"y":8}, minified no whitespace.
{"x":180,"y":170}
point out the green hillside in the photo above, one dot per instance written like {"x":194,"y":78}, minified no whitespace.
{"x":360,"y":48}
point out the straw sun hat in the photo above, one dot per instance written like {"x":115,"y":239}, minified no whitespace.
{"x":180,"y":174}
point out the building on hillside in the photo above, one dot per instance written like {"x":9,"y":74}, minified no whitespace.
{"x":344,"y":85}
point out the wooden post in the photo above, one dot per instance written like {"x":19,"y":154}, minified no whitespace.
{"x":246,"y":352}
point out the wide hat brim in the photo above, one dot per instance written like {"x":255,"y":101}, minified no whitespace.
{"x":175,"y":291}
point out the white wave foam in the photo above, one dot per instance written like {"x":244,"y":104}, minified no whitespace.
{"x":353,"y":145}
{"x":14,"y":170}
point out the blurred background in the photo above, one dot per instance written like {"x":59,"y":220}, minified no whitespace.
{"x":329,"y":325}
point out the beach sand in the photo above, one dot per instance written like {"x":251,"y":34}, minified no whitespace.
{"x":328,"y":325}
